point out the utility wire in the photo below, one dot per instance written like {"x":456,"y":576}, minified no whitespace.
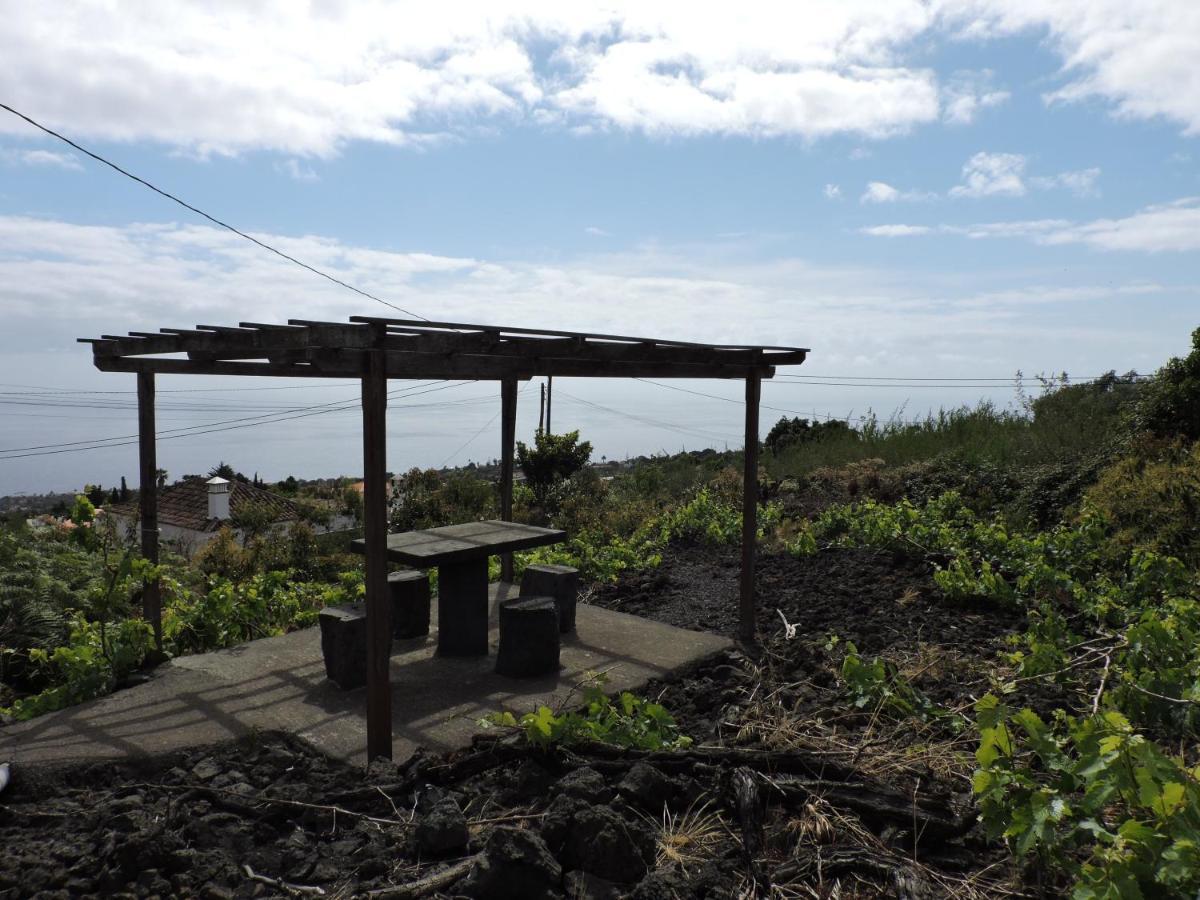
{"x":195,"y":430}
{"x":200,"y":212}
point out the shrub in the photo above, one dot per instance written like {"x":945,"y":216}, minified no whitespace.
{"x":1171,"y":402}
{"x":628,"y":722}
{"x":1152,"y":499}
{"x":552,"y":458}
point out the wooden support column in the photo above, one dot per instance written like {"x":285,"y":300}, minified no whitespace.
{"x":148,"y":500}
{"x":508,"y":436}
{"x":379,"y":626}
{"x":549,"y":401}
{"x":750,"y":508}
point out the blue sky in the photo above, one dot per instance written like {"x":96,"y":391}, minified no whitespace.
{"x":921,"y":189}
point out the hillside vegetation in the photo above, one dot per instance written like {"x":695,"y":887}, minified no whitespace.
{"x":1063,"y":526}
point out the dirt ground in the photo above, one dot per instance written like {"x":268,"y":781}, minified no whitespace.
{"x":790,"y":791}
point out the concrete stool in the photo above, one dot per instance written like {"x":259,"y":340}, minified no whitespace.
{"x":528,"y":637}
{"x":409,"y":596}
{"x":559,"y":582}
{"x":344,"y":644}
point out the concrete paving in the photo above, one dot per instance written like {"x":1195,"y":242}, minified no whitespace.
{"x":279,"y":684}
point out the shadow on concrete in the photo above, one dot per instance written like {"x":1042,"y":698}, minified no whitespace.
{"x":279,"y":684}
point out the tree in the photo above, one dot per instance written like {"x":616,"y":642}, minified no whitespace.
{"x":1171,"y":403}
{"x":553,"y":458}
{"x":788,"y":432}
{"x":124,"y":494}
{"x":223,"y":470}
{"x":161,"y":476}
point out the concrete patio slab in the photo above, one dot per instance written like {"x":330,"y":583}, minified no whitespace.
{"x":279,"y":684}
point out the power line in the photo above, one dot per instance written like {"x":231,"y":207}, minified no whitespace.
{"x":200,"y":212}
{"x":672,"y":387}
{"x":686,"y":431}
{"x":195,"y":430}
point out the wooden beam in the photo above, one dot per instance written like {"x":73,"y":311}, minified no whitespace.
{"x":349,"y":364}
{"x":515,"y":330}
{"x":508,"y":435}
{"x":379,"y":626}
{"x":750,"y":510}
{"x":148,"y":500}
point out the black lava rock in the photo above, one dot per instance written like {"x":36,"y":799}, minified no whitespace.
{"x":584,"y":784}
{"x":516,"y":865}
{"x":597,"y":840}
{"x":442,"y":826}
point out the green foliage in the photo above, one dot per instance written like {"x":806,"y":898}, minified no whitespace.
{"x":1152,"y":499}
{"x":709,"y":519}
{"x":425,"y":500}
{"x":230,"y":612}
{"x":96,"y":657}
{"x":788,"y":432}
{"x":552,"y":458}
{"x":1092,"y":797}
{"x":878,"y":686}
{"x":83,"y":511}
{"x":630,"y":721}
{"x":1171,"y":403}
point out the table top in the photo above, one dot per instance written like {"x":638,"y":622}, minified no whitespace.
{"x":461,"y":543}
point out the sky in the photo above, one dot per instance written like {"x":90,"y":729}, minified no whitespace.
{"x":913,"y":189}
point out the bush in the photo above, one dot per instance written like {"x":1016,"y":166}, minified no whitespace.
{"x":1171,"y":402}
{"x":553,"y":458}
{"x":1152,"y":499}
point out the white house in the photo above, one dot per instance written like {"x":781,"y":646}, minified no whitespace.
{"x":191,"y":512}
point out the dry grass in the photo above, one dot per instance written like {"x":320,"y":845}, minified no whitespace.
{"x":690,"y":837}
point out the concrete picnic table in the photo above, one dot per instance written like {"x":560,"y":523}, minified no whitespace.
{"x":460,"y":553}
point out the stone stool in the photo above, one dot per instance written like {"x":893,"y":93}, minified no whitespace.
{"x":344,"y":644}
{"x":409,"y":596}
{"x":528,"y":637}
{"x":559,"y":582}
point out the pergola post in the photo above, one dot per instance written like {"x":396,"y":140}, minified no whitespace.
{"x":148,"y":501}
{"x":379,"y":627}
{"x":508,"y":435}
{"x":750,"y":507}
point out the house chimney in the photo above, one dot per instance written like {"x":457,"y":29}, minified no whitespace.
{"x":218,"y":498}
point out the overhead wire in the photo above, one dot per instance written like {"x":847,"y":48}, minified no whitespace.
{"x":196,"y":430}
{"x":200,"y":212}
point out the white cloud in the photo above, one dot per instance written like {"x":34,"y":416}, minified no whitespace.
{"x":1141,"y":57}
{"x":969,"y":92}
{"x":895,"y":230}
{"x":297,"y":170}
{"x":14,"y":157}
{"x":833,"y":191}
{"x":1082,"y":182}
{"x":262,"y":76}
{"x":1168,"y":227}
{"x":1003,"y":175}
{"x":881,"y":192}
{"x":992,"y":174}
{"x":596,"y":232}
{"x":878,"y":192}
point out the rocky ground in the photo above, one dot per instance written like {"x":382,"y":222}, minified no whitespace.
{"x":790,"y":791}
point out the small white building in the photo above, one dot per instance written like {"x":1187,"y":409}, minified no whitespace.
{"x":191,"y":512}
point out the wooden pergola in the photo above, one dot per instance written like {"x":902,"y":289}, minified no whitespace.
{"x":373,"y":350}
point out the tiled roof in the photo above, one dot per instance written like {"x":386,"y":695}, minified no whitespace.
{"x":185,"y":505}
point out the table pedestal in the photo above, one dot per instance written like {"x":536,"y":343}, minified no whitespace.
{"x":463,"y":608}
